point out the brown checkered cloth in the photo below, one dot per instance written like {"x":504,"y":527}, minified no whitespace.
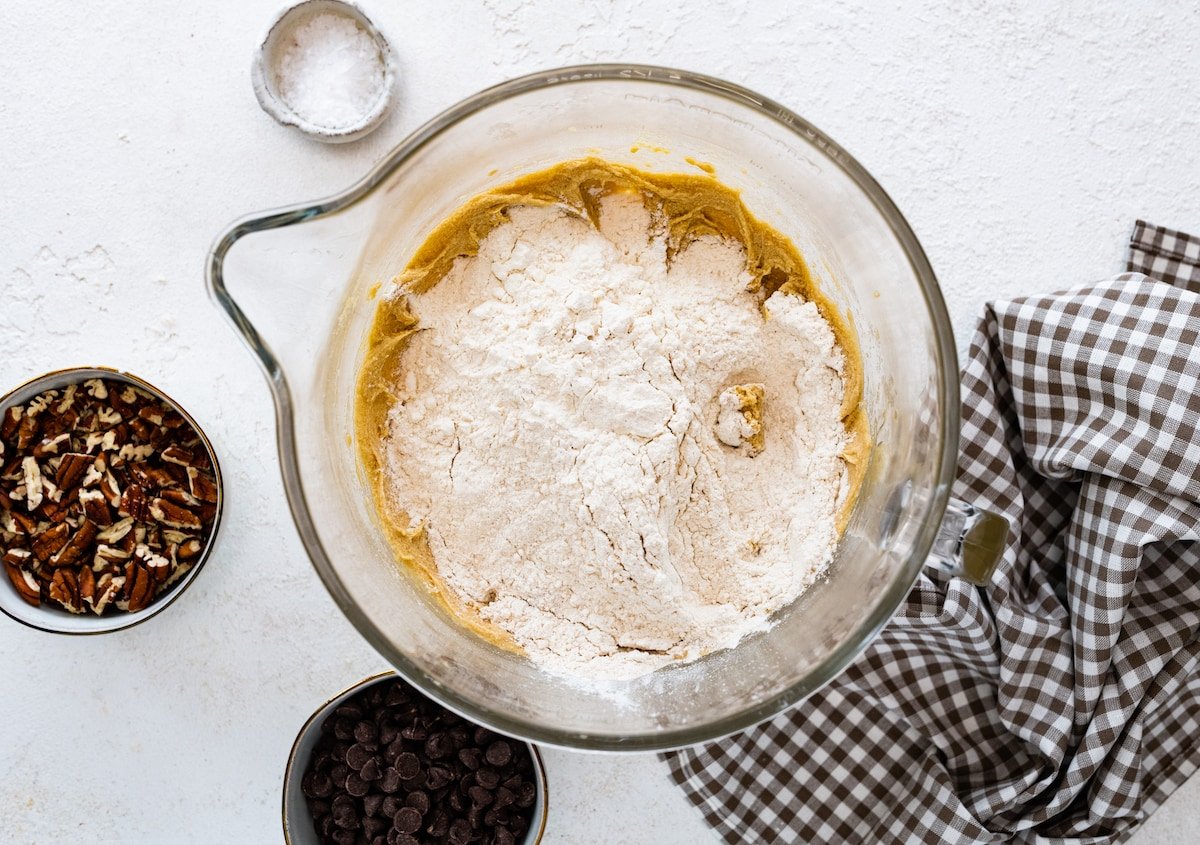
{"x":1061,"y":703}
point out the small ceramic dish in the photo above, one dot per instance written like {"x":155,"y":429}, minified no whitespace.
{"x":267,"y":58}
{"x":51,"y":618}
{"x":298,"y":827}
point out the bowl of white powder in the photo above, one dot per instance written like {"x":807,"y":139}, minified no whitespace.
{"x":325,"y":70}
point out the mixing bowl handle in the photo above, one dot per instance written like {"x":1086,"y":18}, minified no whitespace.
{"x":970,"y":542}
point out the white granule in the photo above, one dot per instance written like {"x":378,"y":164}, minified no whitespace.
{"x":331,"y":72}
{"x":556,"y":435}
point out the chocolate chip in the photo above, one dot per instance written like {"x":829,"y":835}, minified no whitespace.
{"x":472,"y":758}
{"x":316,"y":785}
{"x":343,"y":728}
{"x":343,"y":837}
{"x":483,"y":736}
{"x":391,"y":805}
{"x":475,"y":816}
{"x":372,"y":804}
{"x":358,"y":755}
{"x":344,"y":812}
{"x":460,"y":832}
{"x":395,"y":837}
{"x":438,"y":777}
{"x":349,"y":710}
{"x":366,"y":732}
{"x":338,"y":775}
{"x":414,"y":732}
{"x":440,"y":824}
{"x":466,"y":782}
{"x":526,"y":795}
{"x":355,"y":785}
{"x":504,"y":797}
{"x":407,"y":765}
{"x":397,"y":693}
{"x":390,"y":782}
{"x":438,"y":746}
{"x":503,"y":837}
{"x":498,"y":753}
{"x":407,"y":820}
{"x":388,"y":734}
{"x":374,"y":827}
{"x":371,"y":770}
{"x":394,"y":749}
{"x":419,"y":801}
{"x":487,"y":778}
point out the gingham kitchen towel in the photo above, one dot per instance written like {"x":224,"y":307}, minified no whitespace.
{"x":1062,"y":702}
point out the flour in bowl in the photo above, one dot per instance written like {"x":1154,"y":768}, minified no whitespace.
{"x":618,"y":455}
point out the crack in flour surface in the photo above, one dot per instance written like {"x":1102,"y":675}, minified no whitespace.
{"x":556,"y":435}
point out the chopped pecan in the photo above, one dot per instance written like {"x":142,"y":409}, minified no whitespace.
{"x":27,"y":431}
{"x":134,"y":503}
{"x":174,"y":516}
{"x":25,"y":584}
{"x":110,"y":489}
{"x":108,"y":587}
{"x":95,"y":508}
{"x":139,"y":586}
{"x":47,"y":543}
{"x":10,"y":421}
{"x":80,"y":542}
{"x":33,"y":483}
{"x":181,"y":498}
{"x":72,"y":469}
{"x":201,"y":486}
{"x":64,"y":589}
{"x":51,"y":445}
{"x":189,"y":549}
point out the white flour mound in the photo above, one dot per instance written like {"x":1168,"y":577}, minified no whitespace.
{"x":556,"y":435}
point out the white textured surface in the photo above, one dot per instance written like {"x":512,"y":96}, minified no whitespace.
{"x":1020,"y":142}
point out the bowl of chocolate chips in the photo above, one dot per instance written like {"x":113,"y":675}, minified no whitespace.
{"x":110,"y":497}
{"x":381,"y":764}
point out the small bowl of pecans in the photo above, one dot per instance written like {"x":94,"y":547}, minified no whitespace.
{"x":382,"y":764}
{"x":110,"y":498}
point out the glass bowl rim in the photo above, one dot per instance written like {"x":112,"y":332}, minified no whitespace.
{"x":654,"y":739}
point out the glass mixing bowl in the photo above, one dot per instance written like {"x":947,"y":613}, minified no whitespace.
{"x":300,"y":284}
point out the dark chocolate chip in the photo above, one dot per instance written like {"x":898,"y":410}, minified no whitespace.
{"x":390,"y":782}
{"x":345,"y":813}
{"x":472,"y":758}
{"x":374,"y":827}
{"x":372,"y":803}
{"x":501,"y":836}
{"x":343,"y":837}
{"x":326,"y":827}
{"x":460,"y":736}
{"x":415,"y":733}
{"x":366,"y":732}
{"x":514,"y":782}
{"x":407,"y":820}
{"x":498,"y":753}
{"x":460,"y":832}
{"x":356,"y":786}
{"x":388,"y":734}
{"x":371,"y":770}
{"x":318,"y":808}
{"x":407,"y":765}
{"x":316,"y":785}
{"x":394,"y":749}
{"x":504,"y":797}
{"x":438,"y":777}
{"x":487,"y":778}
{"x":466,"y":782}
{"x":415,"y":782}
{"x":526,"y":795}
{"x":419,"y":801}
{"x":338,"y":775}
{"x":483,"y":736}
{"x":349,"y":710}
{"x":475,"y":816}
{"x":343,"y":728}
{"x":391,"y":805}
{"x":358,"y":755}
{"x":397,"y":693}
{"x":438,"y":746}
{"x":439,"y":824}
